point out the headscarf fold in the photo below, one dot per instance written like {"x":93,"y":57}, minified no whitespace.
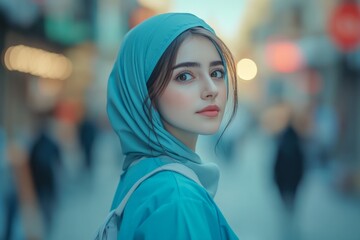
{"x":139,"y":53}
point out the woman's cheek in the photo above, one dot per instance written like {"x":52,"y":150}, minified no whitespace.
{"x":178,"y":99}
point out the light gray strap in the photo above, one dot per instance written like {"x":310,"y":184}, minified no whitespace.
{"x":175,"y":167}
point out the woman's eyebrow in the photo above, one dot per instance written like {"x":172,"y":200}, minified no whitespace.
{"x":195,"y":64}
{"x":186,"y":64}
{"x":216,"y":63}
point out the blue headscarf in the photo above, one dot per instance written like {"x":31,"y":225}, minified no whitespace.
{"x":139,"y":53}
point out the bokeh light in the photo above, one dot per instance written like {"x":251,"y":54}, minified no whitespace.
{"x":246,"y":69}
{"x":37,"y":62}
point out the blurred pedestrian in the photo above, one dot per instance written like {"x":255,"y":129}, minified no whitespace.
{"x":289,"y":165}
{"x":9,"y":203}
{"x":44,"y":160}
{"x":87,"y":133}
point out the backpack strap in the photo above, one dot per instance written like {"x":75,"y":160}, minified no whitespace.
{"x":175,"y":167}
{"x":109,"y":228}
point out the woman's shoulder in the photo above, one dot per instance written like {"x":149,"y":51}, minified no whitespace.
{"x":183,"y":208}
{"x":171,"y":186}
{"x":170,"y":197}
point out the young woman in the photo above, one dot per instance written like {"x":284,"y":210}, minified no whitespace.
{"x":170,"y":83}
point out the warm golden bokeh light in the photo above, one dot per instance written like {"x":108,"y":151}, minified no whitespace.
{"x":246,"y":69}
{"x":37,"y":62}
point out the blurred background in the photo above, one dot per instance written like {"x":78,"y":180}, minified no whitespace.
{"x":290,"y":161}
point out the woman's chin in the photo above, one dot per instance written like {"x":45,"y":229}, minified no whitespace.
{"x":209,"y":131}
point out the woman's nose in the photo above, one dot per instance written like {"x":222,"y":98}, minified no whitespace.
{"x":210,"y":89}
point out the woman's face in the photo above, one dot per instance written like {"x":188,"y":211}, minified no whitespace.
{"x":194,"y":101}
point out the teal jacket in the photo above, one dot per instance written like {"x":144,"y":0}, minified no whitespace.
{"x":168,"y":206}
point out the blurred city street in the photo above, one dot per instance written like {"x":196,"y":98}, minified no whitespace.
{"x":246,"y":195}
{"x":289,"y":161}
{"x":252,"y":204}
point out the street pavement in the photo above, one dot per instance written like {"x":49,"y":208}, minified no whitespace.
{"x":246,"y":196}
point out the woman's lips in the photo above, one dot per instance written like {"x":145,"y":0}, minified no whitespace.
{"x":210,"y":111}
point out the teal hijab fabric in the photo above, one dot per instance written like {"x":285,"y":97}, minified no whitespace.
{"x":139,"y":53}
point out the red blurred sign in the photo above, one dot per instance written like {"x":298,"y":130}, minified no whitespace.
{"x":284,"y":56}
{"x":344,"y":26}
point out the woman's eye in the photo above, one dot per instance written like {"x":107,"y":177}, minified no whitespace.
{"x":217,"y":74}
{"x":183,"y":77}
